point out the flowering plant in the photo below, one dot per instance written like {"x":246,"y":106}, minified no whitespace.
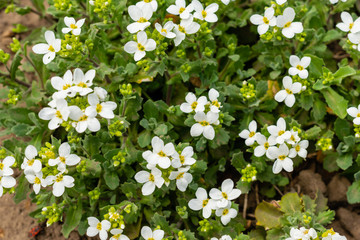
{"x":154,"y":119}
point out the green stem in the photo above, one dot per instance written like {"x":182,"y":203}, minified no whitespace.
{"x":36,"y":70}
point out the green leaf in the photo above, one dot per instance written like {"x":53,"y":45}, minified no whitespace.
{"x":268,"y":215}
{"x":144,"y":138}
{"x":21,"y":190}
{"x":319,"y":110}
{"x":336,"y":102}
{"x":344,"y":161}
{"x":316,"y":65}
{"x":162,"y":129}
{"x":290,"y":203}
{"x":332,"y":35}
{"x":342,"y":128}
{"x":150,"y":110}
{"x":342,"y":73}
{"x":111,"y":179}
{"x":92,"y":144}
{"x":15,"y":65}
{"x":313,"y":133}
{"x":353,"y":193}
{"x":73,"y":216}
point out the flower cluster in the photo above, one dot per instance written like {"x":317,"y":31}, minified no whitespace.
{"x":77,"y":103}
{"x":6,"y":172}
{"x":309,"y":234}
{"x":285,"y":22}
{"x":174,"y":166}
{"x":55,"y":168}
{"x":282,"y":145}
{"x":206,"y":113}
{"x":220,"y":201}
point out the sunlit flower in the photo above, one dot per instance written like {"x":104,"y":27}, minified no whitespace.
{"x":207,"y":14}
{"x":226,"y":214}
{"x":73,"y":26}
{"x":82,"y":121}
{"x":166,"y":30}
{"x":224,"y":237}
{"x":278,"y":132}
{"x":282,"y":160}
{"x":333,"y":2}
{"x":204,"y":125}
{"x":64,"y":85}
{"x":227,"y":193}
{"x":140,"y":47}
{"x":215,"y":105}
{"x":264,"y":22}
{"x":118,"y":234}
{"x":141,"y":17}
{"x":83,"y":81}
{"x":264,"y":145}
{"x":249,"y":135}
{"x":302,"y":234}
{"x":202,"y":202}
{"x":36,"y":179}
{"x":49,"y":49}
{"x":299,"y":149}
{"x":180,"y":8}
{"x":6,"y":179}
{"x":152,"y":3}
{"x":186,"y":26}
{"x":56,"y":115}
{"x":281,"y":2}
{"x":287,"y":94}
{"x":193,"y":104}
{"x":150,"y":179}
{"x":104,"y":109}
{"x":65,"y":158}
{"x":60,"y":182}
{"x":148,"y":234}
{"x":332,"y":235}
{"x":184,"y":158}
{"x":160,"y":154}
{"x":30,"y":163}
{"x":182,"y":177}
{"x":355,"y":113}
{"x":285,"y":21}
{"x":96,"y":227}
{"x":298,"y":67}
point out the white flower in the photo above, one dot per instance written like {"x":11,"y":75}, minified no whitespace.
{"x":226,"y":214}
{"x":64,"y":85}
{"x":224,"y":237}
{"x":202,"y":202}
{"x":226,"y":2}
{"x":207,"y":14}
{"x":193,"y":104}
{"x":287,"y":94}
{"x":336,"y":1}
{"x":56,"y":115}
{"x":282,"y":161}
{"x":249,"y":135}
{"x":264,"y":22}
{"x":152,"y":3}
{"x":50,"y":48}
{"x":166,"y":31}
{"x":281,"y":2}
{"x":278,"y":132}
{"x":227,"y":193}
{"x":73,"y":26}
{"x":140,"y":47}
{"x":96,"y":227}
{"x":298,"y":67}
{"x":148,"y":234}
{"x":302,"y":234}
{"x":30,"y":163}
{"x":5,"y":166}
{"x":141,"y":16}
{"x":184,"y":158}
{"x":183,"y":178}
{"x":6,"y":180}
{"x":203,"y":125}
{"x":186,"y":26}
{"x":294,"y":137}
{"x":65,"y":158}
{"x":355,"y":113}
{"x":331,"y":235}
{"x":355,"y":39}
{"x":299,"y":149}
{"x":285,"y":21}
{"x":117,"y":234}
{"x":264,"y":145}
{"x":36,"y":179}
{"x":82,"y":121}
{"x":181,"y":9}
{"x":150,"y":179}
{"x":215,"y":105}
{"x":60,"y":182}
{"x":104,"y":109}
{"x":348,"y":24}
{"x":100,"y":93}
{"x":160,"y":154}
{"x":83,"y":81}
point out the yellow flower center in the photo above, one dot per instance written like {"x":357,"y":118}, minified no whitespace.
{"x":203,"y":13}
{"x":163,"y":30}
{"x":83,"y":118}
{"x":351,"y":25}
{"x":266,"y":20}
{"x":281,"y":132}
{"x":225,"y":212}
{"x":98,"y":108}
{"x":182,"y":159}
{"x":299,"y":67}
{"x":330,"y":231}
{"x":205,"y":202}
{"x":182,"y":29}
{"x":31,"y":162}
{"x":194,"y":105}
{"x":151,"y":178}
{"x":151,"y":238}
{"x":289,"y":91}
{"x":161,"y":154}
{"x":358,"y":115}
{"x":114,"y":216}
{"x":282,"y":157}
{"x":204,"y":123}
{"x":98,"y":226}
{"x":73,"y":26}
{"x":297,"y":148}
{"x":51,"y":48}
{"x":215,"y":103}
{"x":117,"y":236}
{"x":251,"y":134}
{"x":266,"y":145}
{"x":66,"y":86}
{"x":224,"y":195}
{"x":141,"y":47}
{"x":62,"y":159}
{"x":142,"y":20}
{"x":58,"y":114}
{"x":82,"y":84}
{"x":287,"y":24}
{"x":37,"y":180}
{"x":1,"y":166}
{"x":147,"y":1}
{"x":181,"y":10}
{"x":59,"y":178}
{"x":181,"y":175}
{"x":306,"y":231}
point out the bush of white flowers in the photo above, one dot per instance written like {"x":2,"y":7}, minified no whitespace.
{"x":159,"y":119}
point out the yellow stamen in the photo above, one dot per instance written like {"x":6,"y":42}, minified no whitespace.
{"x":251,"y":134}
{"x":204,"y":123}
{"x":287,"y":24}
{"x":151,"y":178}
{"x":161,"y":154}
{"x":266,"y":20}
{"x":225,"y":212}
{"x":205,"y":202}
{"x":98,"y":226}
{"x":181,"y":10}
{"x":288,"y":91}
{"x":59,"y":178}
{"x":98,"y":108}
{"x":182,"y":29}
{"x":281,"y":132}
{"x":58,"y":114}
{"x":73,"y":26}
{"x":82,"y":84}
{"x":224,"y":195}
{"x":83,"y":118}
{"x":141,"y":47}
{"x":142,"y":20}
{"x":297,"y":148}
{"x":282,"y":157}
{"x":299,"y":67}
{"x":181,"y":175}
{"x":62,"y":159}
{"x":66,"y":86}
{"x":203,"y":13}
{"x":51,"y":48}
{"x":182,"y":159}
{"x":37,"y":180}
